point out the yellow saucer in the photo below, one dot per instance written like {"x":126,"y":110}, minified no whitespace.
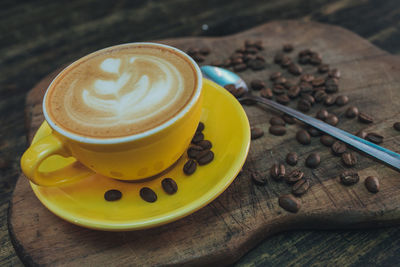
{"x":82,"y":203}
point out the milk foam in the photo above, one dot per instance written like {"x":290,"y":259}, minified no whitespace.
{"x":121,"y":93}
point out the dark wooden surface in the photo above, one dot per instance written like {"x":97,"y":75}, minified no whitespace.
{"x":38,"y":37}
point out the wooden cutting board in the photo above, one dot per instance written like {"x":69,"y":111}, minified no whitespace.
{"x":244,"y":214}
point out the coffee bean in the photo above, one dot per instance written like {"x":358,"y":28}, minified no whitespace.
{"x":301,"y":187}
{"x":278,"y":58}
{"x":278,"y":89}
{"x":112,"y":195}
{"x":256,"y":133}
{"x":258,"y":44}
{"x":194,"y":151}
{"x":303,"y":137}
{"x":322,"y":114}
{"x":315,"y":58}
{"x":320,"y":96}
{"x":342,"y":100}
{"x":190,"y":167}
{"x":286,"y":61}
{"x":170,"y":187}
{"x":200,"y":127}
{"x":331,"y":85}
{"x":362,"y":134}
{"x":283,"y":99}
{"x":239,"y":92}
{"x":294,"y":176}
{"x":205,"y":158}
{"x":240,"y":67}
{"x":313,"y":131}
{"x":303,"y":105}
{"x":278,"y":171}
{"x":275,"y":75}
{"x":236,"y":56}
{"x":374,"y":138}
{"x":365,"y":118}
{"x":198,"y":136}
{"x":227,"y":63}
{"x":305,"y":52}
{"x":334,"y":73}
{"x":351,"y":112}
{"x":304,"y":60}
{"x":309,"y":98}
{"x":205,"y":144}
{"x":396,"y":126}
{"x":198,"y":57}
{"x":289,"y":203}
{"x":148,"y":195}
{"x":317,"y":82}
{"x":237,"y":60}
{"x":294,"y":91}
{"x":289,"y":84}
{"x":295,"y":69}
{"x":277,"y":130}
{"x":305,"y":88}
{"x":280,"y":80}
{"x":338,"y":148}
{"x":288,"y":119}
{"x":251,"y":50}
{"x":329,"y":100}
{"x":313,"y":160}
{"x":266,"y":93}
{"x":258,"y":178}
{"x":332,"y":119}
{"x":287,"y":48}
{"x":323,"y":68}
{"x":349,"y":159}
{"x":349,"y":178}
{"x":260,"y":58}
{"x":327,"y":140}
{"x":291,"y":158}
{"x":277,"y":121}
{"x":372,"y":184}
{"x":257,"y":84}
{"x":230,"y":87}
{"x":205,"y":51}
{"x":248,"y":57}
{"x":307,"y":77}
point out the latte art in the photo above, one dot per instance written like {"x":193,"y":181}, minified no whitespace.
{"x":122,"y":92}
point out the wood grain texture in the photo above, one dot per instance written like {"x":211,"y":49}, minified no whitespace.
{"x":245,"y":214}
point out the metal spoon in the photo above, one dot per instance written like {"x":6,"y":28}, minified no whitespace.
{"x":223,"y":77}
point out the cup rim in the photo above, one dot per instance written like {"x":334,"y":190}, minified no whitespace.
{"x":118,"y":140}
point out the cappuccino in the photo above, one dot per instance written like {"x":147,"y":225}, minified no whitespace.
{"x":121,"y":91}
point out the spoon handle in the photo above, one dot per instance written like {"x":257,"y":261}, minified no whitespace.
{"x":372,"y":149}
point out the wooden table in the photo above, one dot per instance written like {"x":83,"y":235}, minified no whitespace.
{"x":38,"y":38}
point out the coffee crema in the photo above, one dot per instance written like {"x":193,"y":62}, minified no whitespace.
{"x":121,"y":91}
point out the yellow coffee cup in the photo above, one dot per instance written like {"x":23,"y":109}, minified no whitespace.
{"x":132,"y":157}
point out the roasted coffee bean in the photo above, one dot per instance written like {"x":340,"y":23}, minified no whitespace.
{"x":277,"y":130}
{"x":283,"y":99}
{"x":112,"y":195}
{"x":258,"y":178}
{"x":306,"y":88}
{"x":251,"y":50}
{"x":315,"y":59}
{"x":205,"y":144}
{"x":322,"y":114}
{"x":249,"y":43}
{"x":313,"y":131}
{"x":372,"y":184}
{"x":288,"y":119}
{"x":320,"y":96}
{"x":277,"y":171}
{"x":148,"y":195}
{"x":238,"y":92}
{"x":275,"y":75}
{"x":396,"y":126}
{"x":194,"y":151}
{"x":349,"y":178}
{"x":289,"y":203}
{"x":237,"y":60}
{"x":230,"y":87}
{"x":227,"y":63}
{"x":317,"y":82}
{"x":280,"y":80}
{"x":198,"y":57}
{"x":236,"y":56}
{"x":295,"y":69}
{"x":294,"y":91}
{"x":303,"y":105}
{"x":200,"y":127}
{"x":362,"y":134}
{"x":205,"y":51}
{"x":278,"y":89}
{"x":331,"y":85}
{"x":294,"y":176}
{"x":256,"y":64}
{"x":289,"y":84}
{"x":329,"y":100}
{"x":342,"y":100}
{"x":303,"y":137}
{"x":304,"y":60}
{"x":277,"y":121}
{"x":286,"y":61}
{"x":313,"y":160}
{"x":258,"y":44}
{"x":256,"y":133}
{"x":334,"y":73}
{"x":332,"y":119}
{"x":351,"y":112}
{"x":217,"y":63}
{"x":305,"y":52}
{"x":169,"y":185}
{"x":307,"y":77}
{"x":323,"y":68}
{"x":349,"y":159}
{"x":327,"y":140}
{"x":257,"y":84}
{"x":338,"y":148}
{"x":198,"y":136}
{"x":309,"y":98}
{"x":374,"y":138}
{"x":278,"y":58}
{"x":266,"y":93}
{"x":190,"y":167}
{"x":205,"y":158}
{"x":301,"y":187}
{"x":240,"y":67}
{"x":292,"y":158}
{"x":248,"y":57}
{"x":287,"y":48}
{"x":260,"y":58}
{"x":365,"y":118}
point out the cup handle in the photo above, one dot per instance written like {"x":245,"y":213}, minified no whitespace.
{"x":41,"y":150}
